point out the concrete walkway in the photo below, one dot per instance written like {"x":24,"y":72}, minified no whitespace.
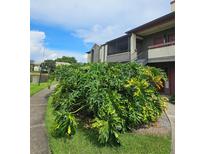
{"x":171,"y":116}
{"x":38,"y":137}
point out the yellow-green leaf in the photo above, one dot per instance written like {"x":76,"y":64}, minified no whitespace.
{"x":69,"y":130}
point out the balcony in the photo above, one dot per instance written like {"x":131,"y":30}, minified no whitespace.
{"x":118,"y":50}
{"x":161,"y":52}
{"x":120,"y":57}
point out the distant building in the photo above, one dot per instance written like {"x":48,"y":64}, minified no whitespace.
{"x":94,"y":54}
{"x":62,"y":63}
{"x":35,"y":66}
{"x":35,"y":75}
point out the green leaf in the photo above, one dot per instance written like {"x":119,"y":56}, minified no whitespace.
{"x":69,"y":130}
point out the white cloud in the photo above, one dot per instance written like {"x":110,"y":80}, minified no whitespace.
{"x":99,"y":34}
{"x":97,"y":20}
{"x":37,"y":40}
{"x":39,"y":52}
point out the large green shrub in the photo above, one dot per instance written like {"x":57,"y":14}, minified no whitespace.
{"x":108,"y":98}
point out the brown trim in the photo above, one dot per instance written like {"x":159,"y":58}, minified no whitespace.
{"x":161,"y":45}
{"x":152,"y":23}
{"x":117,"y":38}
{"x":158,"y":39}
{"x":119,"y":52}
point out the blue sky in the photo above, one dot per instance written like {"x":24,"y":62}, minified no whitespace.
{"x":71,"y":27}
{"x":58,"y":38}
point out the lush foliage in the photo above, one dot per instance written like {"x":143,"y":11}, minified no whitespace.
{"x":109,"y":98}
{"x":85,"y":141}
{"x":31,"y":65}
{"x":70,"y":60}
{"x":48,"y":66}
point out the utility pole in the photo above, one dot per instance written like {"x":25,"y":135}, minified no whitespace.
{"x":41,"y":66}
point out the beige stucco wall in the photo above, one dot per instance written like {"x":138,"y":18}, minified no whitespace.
{"x":102,"y":50}
{"x":103,"y":53}
{"x":37,"y":68}
{"x":173,"y":6}
{"x":99,"y":54}
{"x":62,"y":63}
{"x":121,"y":57}
{"x":167,"y":51}
{"x":89,"y":57}
{"x":96,"y":54}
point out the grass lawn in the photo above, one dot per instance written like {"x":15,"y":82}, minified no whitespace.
{"x":84,"y":142}
{"x":34,"y":88}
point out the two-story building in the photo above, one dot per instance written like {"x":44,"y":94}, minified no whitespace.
{"x":150,"y":44}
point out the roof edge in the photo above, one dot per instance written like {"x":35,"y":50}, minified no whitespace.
{"x":126,"y":35}
{"x":172,"y":2}
{"x":151,"y":23}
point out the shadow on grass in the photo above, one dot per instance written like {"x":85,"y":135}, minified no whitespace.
{"x":90,"y":136}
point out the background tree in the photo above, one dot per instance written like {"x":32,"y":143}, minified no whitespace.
{"x":49,"y":66}
{"x":66,"y":59}
{"x":31,"y":65}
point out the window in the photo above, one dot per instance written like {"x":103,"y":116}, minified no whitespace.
{"x":171,"y":37}
{"x":118,"y":46}
{"x":158,"y":40}
{"x":166,"y":38}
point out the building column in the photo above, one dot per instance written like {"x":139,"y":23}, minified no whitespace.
{"x":133,"y":49}
{"x":172,"y":5}
{"x":106,"y":49}
{"x":89,"y":57}
{"x":101,"y":53}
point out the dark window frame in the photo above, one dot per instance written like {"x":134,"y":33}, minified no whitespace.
{"x":165,"y":38}
{"x":118,"y":46}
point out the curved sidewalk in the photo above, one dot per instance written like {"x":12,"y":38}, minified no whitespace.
{"x":171,"y":115}
{"x":38,"y":137}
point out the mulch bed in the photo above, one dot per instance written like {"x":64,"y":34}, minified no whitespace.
{"x":161,"y":127}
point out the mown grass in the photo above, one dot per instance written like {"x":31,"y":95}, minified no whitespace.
{"x":85,"y":142}
{"x":34,"y":88}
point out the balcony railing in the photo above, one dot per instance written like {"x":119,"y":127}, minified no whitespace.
{"x":161,"y":45}
{"x":161,"y":50}
{"x":120,"y":57}
{"x":142,"y":55}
